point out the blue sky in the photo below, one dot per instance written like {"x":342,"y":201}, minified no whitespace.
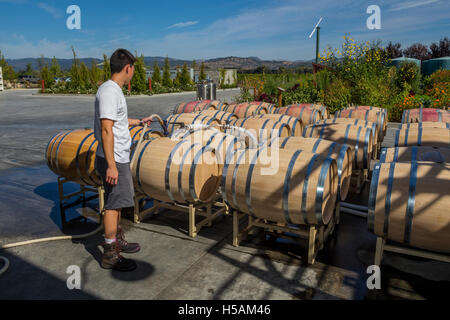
{"x":203,"y":29}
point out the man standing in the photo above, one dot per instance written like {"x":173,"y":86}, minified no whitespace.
{"x":113,"y":158}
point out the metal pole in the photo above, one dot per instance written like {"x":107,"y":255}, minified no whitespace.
{"x":354,"y":206}
{"x":354,"y":212}
{"x":317,"y":44}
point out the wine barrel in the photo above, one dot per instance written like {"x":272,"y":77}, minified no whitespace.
{"x":303,"y":189}
{"x":223,"y":144}
{"x":223,"y":116}
{"x":367,"y":115}
{"x":416,"y":125}
{"x":198,"y":105}
{"x":408,"y":203}
{"x":246,"y":109}
{"x":295,"y":125}
{"x":188,"y":118}
{"x":425,"y":115}
{"x":414,"y":154}
{"x":356,"y":136}
{"x":342,"y":153}
{"x":71,"y":154}
{"x":423,"y":136}
{"x":176,"y":171}
{"x":306,"y":114}
{"x":325,"y":113}
{"x":383,"y":110}
{"x":136,"y":131}
{"x":269,"y":106}
{"x":323,"y":110}
{"x":263,"y":128}
{"x":358,"y":122}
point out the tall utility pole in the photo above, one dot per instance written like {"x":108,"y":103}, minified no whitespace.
{"x":317,"y":44}
{"x":317,"y":38}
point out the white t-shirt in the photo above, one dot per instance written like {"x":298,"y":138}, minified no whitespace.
{"x":110,"y":104}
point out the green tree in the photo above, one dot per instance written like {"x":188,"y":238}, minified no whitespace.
{"x":177,"y":80}
{"x":84,"y":75}
{"x":55,"y":69}
{"x":95,"y":73}
{"x":44,"y":72}
{"x":8,"y":71}
{"x":222,"y":77}
{"x":106,"y":68}
{"x":29,"y":70}
{"x":138,"y":82}
{"x":46,"y":75}
{"x":202,"y":75}
{"x":166,"y":81}
{"x":194,"y":64}
{"x":75,"y":73}
{"x":156,"y":73}
{"x":185,"y":77}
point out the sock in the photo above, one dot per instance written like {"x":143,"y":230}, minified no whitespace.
{"x":109,"y":241}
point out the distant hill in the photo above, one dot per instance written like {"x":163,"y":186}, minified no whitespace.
{"x":248,"y":63}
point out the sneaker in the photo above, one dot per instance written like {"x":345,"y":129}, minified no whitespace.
{"x":124,"y":245}
{"x":113,"y":260}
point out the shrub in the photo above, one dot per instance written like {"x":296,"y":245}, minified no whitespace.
{"x":408,"y":102}
{"x":337,"y":95}
{"x":302,"y":92}
{"x":408,"y":74}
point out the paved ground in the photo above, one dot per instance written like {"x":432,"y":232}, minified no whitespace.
{"x":28,"y":120}
{"x":170,"y":265}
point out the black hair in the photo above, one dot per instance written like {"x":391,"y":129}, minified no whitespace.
{"x":119,"y":59}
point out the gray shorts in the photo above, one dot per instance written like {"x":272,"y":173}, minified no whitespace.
{"x":122,"y":194}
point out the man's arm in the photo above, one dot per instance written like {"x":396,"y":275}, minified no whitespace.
{"x":138,"y":122}
{"x":112,"y":175}
{"x":134,"y":122}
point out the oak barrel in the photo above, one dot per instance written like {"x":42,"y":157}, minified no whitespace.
{"x":295,"y":125}
{"x":414,"y":154}
{"x":360,"y":138}
{"x":136,"y":131}
{"x":246,"y":109}
{"x":409,"y":203}
{"x":416,"y":125}
{"x":379,"y":109}
{"x":342,"y":153}
{"x":188,"y":118}
{"x":71,"y":154}
{"x":367,"y":115}
{"x":223,"y":116}
{"x":305,"y":114}
{"x":301,"y":190}
{"x":176,"y":171}
{"x":423,"y":136}
{"x":222,"y":143}
{"x":358,"y":122}
{"x":425,"y":115}
{"x":263,"y":129}
{"x":198,"y":105}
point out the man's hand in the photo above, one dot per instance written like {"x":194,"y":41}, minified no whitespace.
{"x":147,"y":120}
{"x":112,"y":176}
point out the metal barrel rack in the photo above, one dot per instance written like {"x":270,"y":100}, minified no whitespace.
{"x":82,"y":198}
{"x":209,"y":211}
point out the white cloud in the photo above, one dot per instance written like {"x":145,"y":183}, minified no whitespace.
{"x":55,"y":12}
{"x":183,"y":24}
{"x":412,"y":4}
